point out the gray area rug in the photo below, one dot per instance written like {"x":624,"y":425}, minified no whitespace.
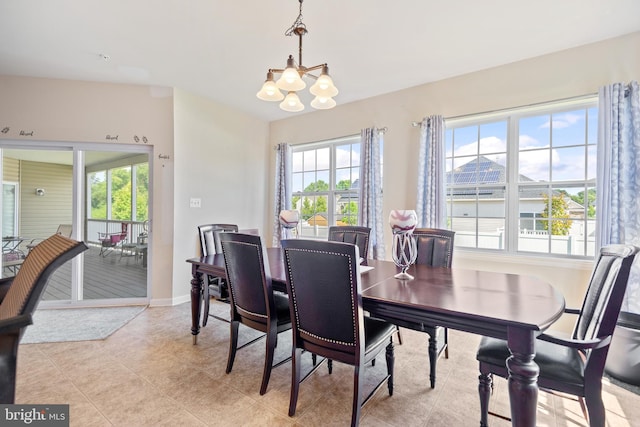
{"x":78,"y":324}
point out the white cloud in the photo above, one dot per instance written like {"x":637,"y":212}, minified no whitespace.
{"x":490,"y":144}
{"x":527,"y":141}
{"x":561,"y":121}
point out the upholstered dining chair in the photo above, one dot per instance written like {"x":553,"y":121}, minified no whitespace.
{"x":215,"y":287}
{"x":253,"y":301}
{"x":323,"y":283}
{"x":19,"y":297}
{"x":573,"y":365}
{"x":435,"y":249}
{"x":355,"y":234}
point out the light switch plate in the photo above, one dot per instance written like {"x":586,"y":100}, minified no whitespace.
{"x":195,"y":202}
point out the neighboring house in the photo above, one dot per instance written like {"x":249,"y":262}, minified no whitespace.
{"x":318,"y":219}
{"x":490,"y":204}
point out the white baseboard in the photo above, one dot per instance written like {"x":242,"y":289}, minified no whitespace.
{"x":168,"y":302}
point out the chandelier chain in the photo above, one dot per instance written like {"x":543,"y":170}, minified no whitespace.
{"x":296,"y":24}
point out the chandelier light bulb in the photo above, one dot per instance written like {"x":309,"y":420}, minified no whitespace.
{"x":270,"y":91}
{"x":290,"y":79}
{"x":292,"y":103}
{"x":324,"y":86}
{"x":323,"y":103}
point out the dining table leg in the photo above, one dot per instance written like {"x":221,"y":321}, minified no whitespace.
{"x":196,"y":302}
{"x":523,"y":377}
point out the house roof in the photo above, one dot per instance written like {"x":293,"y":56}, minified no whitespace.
{"x":486,"y":171}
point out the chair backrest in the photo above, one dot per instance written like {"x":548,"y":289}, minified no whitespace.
{"x":64,"y":230}
{"x":434,"y":246}
{"x":209,"y":240}
{"x":603,"y":300}
{"x":248,"y":277}
{"x":323,"y":284}
{"x":41,"y":261}
{"x":354,"y":234}
{"x":124,"y":230}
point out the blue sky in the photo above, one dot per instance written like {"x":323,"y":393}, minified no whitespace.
{"x":543,"y":139}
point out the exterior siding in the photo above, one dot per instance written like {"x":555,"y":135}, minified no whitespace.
{"x":40,"y":216}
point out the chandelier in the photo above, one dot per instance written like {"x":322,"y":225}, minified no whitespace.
{"x":291,"y":82}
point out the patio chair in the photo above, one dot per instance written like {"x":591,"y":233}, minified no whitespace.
{"x":111,"y":241}
{"x":63,"y":230}
{"x":19,"y":297}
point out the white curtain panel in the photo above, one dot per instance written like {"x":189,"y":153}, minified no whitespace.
{"x":370,"y":210}
{"x":431,"y":199}
{"x":282,"y":200}
{"x":618,"y":175}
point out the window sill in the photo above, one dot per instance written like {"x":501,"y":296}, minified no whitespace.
{"x":528,"y":260}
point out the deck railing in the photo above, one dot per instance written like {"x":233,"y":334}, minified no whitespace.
{"x":96,"y":226}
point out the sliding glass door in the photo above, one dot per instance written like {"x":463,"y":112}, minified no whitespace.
{"x":117,"y":218}
{"x":95,"y":193}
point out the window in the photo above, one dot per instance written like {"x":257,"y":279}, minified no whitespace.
{"x":524,"y":180}
{"x":9,"y":209}
{"x":325,"y":184}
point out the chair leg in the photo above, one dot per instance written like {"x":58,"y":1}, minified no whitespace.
{"x":357,"y":396}
{"x":595,"y":408}
{"x":206,"y":297}
{"x":389,"y":355}
{"x":295,"y":380}
{"x":330,"y":366}
{"x":8,"y":363}
{"x":233,"y":344}
{"x":272,"y":338}
{"x":433,"y":358}
{"x":446,"y":343}
{"x":485,"y":387}
{"x":400,"y":336}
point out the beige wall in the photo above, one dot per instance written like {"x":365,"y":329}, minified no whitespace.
{"x":551,"y":77}
{"x":200,"y":149}
{"x":63,"y":110}
{"x":222,"y":158}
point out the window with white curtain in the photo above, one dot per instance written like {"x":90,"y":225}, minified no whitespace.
{"x":325,"y":184}
{"x":524,"y":180}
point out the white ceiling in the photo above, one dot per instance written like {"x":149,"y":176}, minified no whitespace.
{"x":221,"y":49}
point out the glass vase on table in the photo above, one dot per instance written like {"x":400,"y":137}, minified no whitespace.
{"x":404,"y":250}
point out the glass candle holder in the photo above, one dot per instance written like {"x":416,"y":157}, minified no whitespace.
{"x":404,"y":250}
{"x":289,"y":220}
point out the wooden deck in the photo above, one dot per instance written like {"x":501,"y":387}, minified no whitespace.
{"x":111,"y":276}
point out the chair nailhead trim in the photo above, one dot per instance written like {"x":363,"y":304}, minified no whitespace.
{"x":293,"y":297}
{"x":229,"y":281}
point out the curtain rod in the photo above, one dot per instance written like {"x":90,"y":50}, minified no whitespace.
{"x":501,"y":110}
{"x":381,"y":130}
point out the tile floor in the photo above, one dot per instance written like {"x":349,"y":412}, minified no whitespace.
{"x":149,"y":374}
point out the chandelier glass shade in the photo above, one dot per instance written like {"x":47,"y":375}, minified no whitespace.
{"x":290,"y":80}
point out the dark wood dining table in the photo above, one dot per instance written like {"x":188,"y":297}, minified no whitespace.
{"x":512,"y":307}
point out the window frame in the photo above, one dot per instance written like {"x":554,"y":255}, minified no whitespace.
{"x":512,"y":184}
{"x":333,"y":193}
